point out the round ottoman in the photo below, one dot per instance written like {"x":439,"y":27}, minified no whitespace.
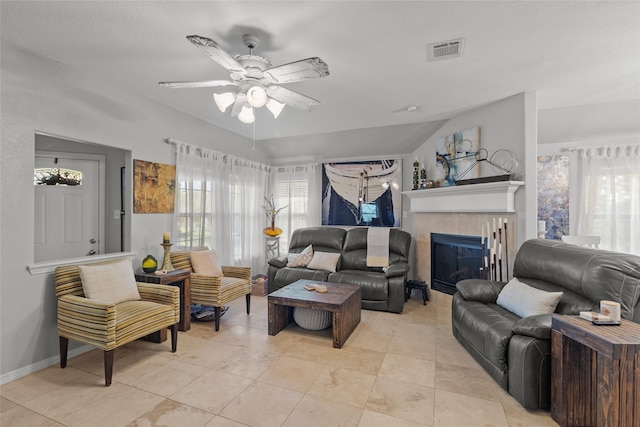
{"x":312,"y":319}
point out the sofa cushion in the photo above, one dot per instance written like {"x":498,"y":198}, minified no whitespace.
{"x":206,"y":262}
{"x":354,"y":252}
{"x":373,"y":286}
{"x":525,"y":300}
{"x":111,"y":282}
{"x":537,"y":326}
{"x":479,"y":289}
{"x":324,"y":239}
{"x":288,"y":275}
{"x":324,"y":261}
{"x":302,"y":259}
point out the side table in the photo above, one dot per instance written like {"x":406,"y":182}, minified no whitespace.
{"x":181,"y":279}
{"x":595,"y":373}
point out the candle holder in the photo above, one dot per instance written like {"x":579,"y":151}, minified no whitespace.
{"x":166,"y":262}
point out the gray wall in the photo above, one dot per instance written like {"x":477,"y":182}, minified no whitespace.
{"x":39,"y":95}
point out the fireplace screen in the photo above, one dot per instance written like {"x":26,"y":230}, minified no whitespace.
{"x":454,"y":258}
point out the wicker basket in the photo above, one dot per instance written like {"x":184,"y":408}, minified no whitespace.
{"x":312,"y":319}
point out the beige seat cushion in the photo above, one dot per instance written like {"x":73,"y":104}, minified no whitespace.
{"x":206,"y":262}
{"x":324,"y":261}
{"x":111,"y":283}
{"x":302,"y":259}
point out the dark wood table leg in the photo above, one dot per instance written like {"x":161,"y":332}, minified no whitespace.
{"x":279,"y":317}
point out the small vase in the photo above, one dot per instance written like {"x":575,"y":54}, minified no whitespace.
{"x":272,"y":231}
{"x":149,"y":264}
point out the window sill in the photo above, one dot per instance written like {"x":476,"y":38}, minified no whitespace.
{"x":45,"y":267}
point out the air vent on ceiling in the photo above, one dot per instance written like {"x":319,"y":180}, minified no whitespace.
{"x":445,"y":50}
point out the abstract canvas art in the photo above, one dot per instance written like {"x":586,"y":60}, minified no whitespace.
{"x":456,"y":156}
{"x":366,"y":193}
{"x":154,"y":186}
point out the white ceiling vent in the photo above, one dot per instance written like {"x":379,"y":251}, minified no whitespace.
{"x":445,"y":50}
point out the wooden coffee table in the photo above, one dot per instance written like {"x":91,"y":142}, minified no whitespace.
{"x":342,"y":300}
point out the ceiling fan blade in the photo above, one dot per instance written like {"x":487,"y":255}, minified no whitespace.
{"x":204,"y":83}
{"x":241,"y":99}
{"x":304,"y":69}
{"x":292,"y":99}
{"x":215,"y":52}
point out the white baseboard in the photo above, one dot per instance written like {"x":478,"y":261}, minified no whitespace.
{"x":35,"y":367}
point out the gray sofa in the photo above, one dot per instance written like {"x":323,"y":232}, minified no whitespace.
{"x":516,"y":351}
{"x":381,"y":290}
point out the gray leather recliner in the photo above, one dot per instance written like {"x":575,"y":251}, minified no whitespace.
{"x":381,"y":290}
{"x":516,"y":351}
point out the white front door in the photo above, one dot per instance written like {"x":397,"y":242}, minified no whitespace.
{"x":67,"y":217}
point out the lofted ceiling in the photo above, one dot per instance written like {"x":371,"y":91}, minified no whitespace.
{"x":578,"y":56}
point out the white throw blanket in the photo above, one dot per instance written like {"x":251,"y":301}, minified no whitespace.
{"x":378,"y":247}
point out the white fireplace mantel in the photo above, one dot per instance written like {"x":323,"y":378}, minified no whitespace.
{"x":486,"y":197}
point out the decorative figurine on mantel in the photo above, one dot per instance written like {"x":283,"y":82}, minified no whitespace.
{"x":166,"y":244}
{"x":416,"y":165}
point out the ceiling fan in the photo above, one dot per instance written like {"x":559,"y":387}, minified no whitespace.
{"x":257,"y":81}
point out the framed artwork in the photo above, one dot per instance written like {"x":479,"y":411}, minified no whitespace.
{"x":456,"y":156}
{"x":154,"y":187}
{"x":366,"y":193}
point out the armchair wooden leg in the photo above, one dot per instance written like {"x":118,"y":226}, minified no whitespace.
{"x":108,"y":366}
{"x":217,"y":315}
{"x":174,"y":337}
{"x":64,"y":346}
{"x":248,"y":296}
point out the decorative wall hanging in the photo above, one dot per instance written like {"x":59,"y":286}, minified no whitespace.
{"x":456,"y":154}
{"x":366,"y":193}
{"x":154,"y":186}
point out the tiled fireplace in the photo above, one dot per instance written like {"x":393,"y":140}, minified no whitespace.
{"x":463,"y":224}
{"x":454,"y":258}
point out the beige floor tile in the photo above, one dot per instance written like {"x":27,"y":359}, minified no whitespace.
{"x":450,"y":351}
{"x":468,"y":381}
{"x":413,"y":347}
{"x":293,"y":374}
{"x":376,"y":419}
{"x":44,"y":382}
{"x":408,"y":369}
{"x":120,"y":406}
{"x":403,"y":400}
{"x":171,"y":413}
{"x":454,"y":409}
{"x":164,"y":382}
{"x":343,"y":385}
{"x":6,"y":404}
{"x":369,"y":340}
{"x":19,"y":416}
{"x":212,"y":391}
{"x":219,"y":421}
{"x":248,"y":362}
{"x":520,"y":417}
{"x":69,"y":397}
{"x":209,"y":355}
{"x":262,"y":405}
{"x":315,"y":411}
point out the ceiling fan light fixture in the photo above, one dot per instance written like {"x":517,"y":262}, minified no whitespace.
{"x":246,"y":115}
{"x":257,"y":96}
{"x":224,"y":100}
{"x":275,"y":107}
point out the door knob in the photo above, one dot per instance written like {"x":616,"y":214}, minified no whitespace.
{"x":91,"y":252}
{"x":92,"y":241}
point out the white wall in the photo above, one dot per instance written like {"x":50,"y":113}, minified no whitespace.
{"x":509,"y":123}
{"x":42,"y":95}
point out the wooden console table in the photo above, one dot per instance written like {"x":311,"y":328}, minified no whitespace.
{"x":595,"y":373}
{"x":181,"y":279}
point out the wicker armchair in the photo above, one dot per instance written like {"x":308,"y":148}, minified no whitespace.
{"x":108,"y":326}
{"x":212,"y":290}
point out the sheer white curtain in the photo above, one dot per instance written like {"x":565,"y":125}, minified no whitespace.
{"x":609,"y":196}
{"x":299,"y":188}
{"x":218,"y":204}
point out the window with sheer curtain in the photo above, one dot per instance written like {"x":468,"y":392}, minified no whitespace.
{"x":218,"y":204}
{"x":609,"y":196}
{"x":298,"y":188}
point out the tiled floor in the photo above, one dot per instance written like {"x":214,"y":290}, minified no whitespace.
{"x":395,"y":370}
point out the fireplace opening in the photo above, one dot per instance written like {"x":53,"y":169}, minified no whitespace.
{"x":453,"y":258}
